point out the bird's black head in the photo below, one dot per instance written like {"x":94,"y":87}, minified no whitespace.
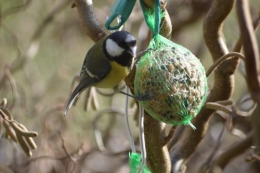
{"x":120,"y":47}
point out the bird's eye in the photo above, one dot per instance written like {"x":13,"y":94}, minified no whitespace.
{"x":132,"y":43}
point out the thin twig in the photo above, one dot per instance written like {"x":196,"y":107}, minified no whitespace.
{"x":247,"y":113}
{"x":197,"y":9}
{"x":239,"y":44}
{"x":91,"y":99}
{"x":235,"y":150}
{"x":206,"y":165}
{"x":219,"y":107}
{"x":176,"y":137}
{"x":3,"y":103}
{"x":13,"y":85}
{"x":170,"y":135}
{"x":64,"y":147}
{"x":224,"y":58}
{"x":225,"y":102}
{"x":106,"y":93}
{"x":20,"y":60}
{"x":15,"y":9}
{"x":14,"y":38}
{"x":97,"y":132}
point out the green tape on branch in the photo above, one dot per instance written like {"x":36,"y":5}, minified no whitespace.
{"x":122,"y":9}
{"x":135,"y":164}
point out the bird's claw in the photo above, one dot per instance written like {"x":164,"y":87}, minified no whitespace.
{"x":145,"y":97}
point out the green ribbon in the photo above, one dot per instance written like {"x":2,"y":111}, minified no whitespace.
{"x":122,"y":9}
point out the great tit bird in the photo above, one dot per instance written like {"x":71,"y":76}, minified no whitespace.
{"x":106,"y":64}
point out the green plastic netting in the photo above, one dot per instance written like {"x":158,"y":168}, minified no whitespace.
{"x":176,"y":80}
{"x":135,"y":164}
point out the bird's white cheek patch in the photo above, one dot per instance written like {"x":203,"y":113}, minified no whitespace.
{"x":113,"y":49}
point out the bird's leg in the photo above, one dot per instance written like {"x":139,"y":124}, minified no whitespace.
{"x":145,"y":97}
{"x":139,"y":98}
{"x":142,"y":53}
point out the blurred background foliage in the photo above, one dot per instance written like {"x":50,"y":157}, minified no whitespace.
{"x":43,"y":44}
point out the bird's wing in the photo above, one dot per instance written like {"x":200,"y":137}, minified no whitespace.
{"x":93,"y":71}
{"x":96,"y":63}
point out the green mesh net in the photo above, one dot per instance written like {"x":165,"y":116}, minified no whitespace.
{"x":176,"y":80}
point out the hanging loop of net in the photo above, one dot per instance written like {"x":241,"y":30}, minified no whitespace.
{"x":152,"y":17}
{"x":121,"y":9}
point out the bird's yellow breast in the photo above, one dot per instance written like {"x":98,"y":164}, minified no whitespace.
{"x":114,"y":77}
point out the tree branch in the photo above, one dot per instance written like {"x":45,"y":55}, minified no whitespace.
{"x":88,"y":20}
{"x":252,"y":62}
{"x":224,"y":79}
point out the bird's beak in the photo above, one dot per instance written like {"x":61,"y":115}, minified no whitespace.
{"x":132,"y":51}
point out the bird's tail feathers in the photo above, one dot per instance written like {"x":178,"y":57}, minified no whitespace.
{"x":81,"y":87}
{"x":71,"y":102}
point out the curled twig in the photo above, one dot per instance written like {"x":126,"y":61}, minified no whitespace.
{"x":225,"y":102}
{"x":13,"y":85}
{"x":239,"y":43}
{"x":252,"y":62}
{"x":204,"y":167}
{"x":241,"y":113}
{"x":222,"y":59}
{"x":91,"y":99}
{"x":235,"y":150}
{"x":64,"y":147}
{"x":3,"y":103}
{"x":170,"y":134}
{"x":14,"y":38}
{"x":97,"y":132}
{"x":106,"y":93}
{"x":34,"y":44}
{"x":197,"y":9}
{"x":177,"y":136}
{"x":15,"y":9}
{"x":217,"y":106}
